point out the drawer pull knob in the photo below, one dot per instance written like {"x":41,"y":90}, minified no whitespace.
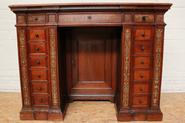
{"x":37,"y":35}
{"x":141,"y":76}
{"x":38,"y":62}
{"x":37,"y":49}
{"x":41,"y":100}
{"x":142,"y":62}
{"x":144,"y":18}
{"x":141,"y":89}
{"x":36,"y":19}
{"x":140,"y":102}
{"x":142,"y":48}
{"x":40,"y":88}
{"x":143,"y":34}
{"x":39,"y":76}
{"x":89,"y":17}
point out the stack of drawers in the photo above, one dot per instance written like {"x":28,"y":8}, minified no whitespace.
{"x":38,"y":62}
{"x":142,"y":65}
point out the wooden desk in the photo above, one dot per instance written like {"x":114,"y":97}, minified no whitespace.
{"x":90,"y":51}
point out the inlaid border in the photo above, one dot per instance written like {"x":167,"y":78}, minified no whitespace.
{"x":23,"y":68}
{"x":125,"y":75}
{"x":157,"y":66}
{"x":53,"y":66}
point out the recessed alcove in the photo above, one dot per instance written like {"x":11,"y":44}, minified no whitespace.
{"x":90,"y":58}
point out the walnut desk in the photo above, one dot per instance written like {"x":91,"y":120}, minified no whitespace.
{"x":89,"y":51}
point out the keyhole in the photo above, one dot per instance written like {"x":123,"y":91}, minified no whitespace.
{"x":144,"y":18}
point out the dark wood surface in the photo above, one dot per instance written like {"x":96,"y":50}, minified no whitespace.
{"x":90,"y":51}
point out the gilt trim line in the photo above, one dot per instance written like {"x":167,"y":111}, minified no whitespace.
{"x":55,"y":100}
{"x":157,"y":67}
{"x":126,"y":66}
{"x":24,"y":70}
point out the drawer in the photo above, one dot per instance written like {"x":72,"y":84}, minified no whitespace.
{"x":38,"y":60}
{"x":140,"y":101}
{"x":143,"y":33}
{"x":40,"y":99}
{"x":40,"y":87}
{"x":142,"y":62}
{"x":143,"y":48}
{"x":142,"y":75}
{"x":40,"y":74}
{"x":37,"y":34}
{"x":141,"y":88}
{"x":39,"y":47}
{"x":89,"y":18}
{"x":143,"y":18}
{"x":36,"y":19}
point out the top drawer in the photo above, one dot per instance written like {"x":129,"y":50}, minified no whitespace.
{"x":36,"y":19}
{"x":89,"y":18}
{"x":143,"y":18}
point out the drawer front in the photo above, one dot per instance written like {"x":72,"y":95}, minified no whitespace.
{"x":143,"y":18}
{"x":142,"y":48}
{"x":143,"y":33}
{"x":89,"y":18}
{"x":38,"y":74}
{"x":39,"y":61}
{"x":40,"y":99}
{"x":40,"y":87}
{"x":141,"y":88}
{"x":39,"y":47}
{"x":37,"y":34}
{"x":36,"y":19}
{"x":142,"y":75}
{"x":140,"y":101}
{"x":142,"y":62}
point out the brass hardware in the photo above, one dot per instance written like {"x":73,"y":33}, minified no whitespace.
{"x":37,"y":49}
{"x":41,"y":100}
{"x":142,"y":62}
{"x":141,"y":89}
{"x":143,"y":34}
{"x":40,"y":88}
{"x":36,"y":19}
{"x":141,"y":76}
{"x":140,"y":102}
{"x":37,"y":35}
{"x":37,"y":62}
{"x":142,"y":48}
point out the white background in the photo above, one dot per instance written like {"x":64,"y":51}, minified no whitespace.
{"x":174,"y":48}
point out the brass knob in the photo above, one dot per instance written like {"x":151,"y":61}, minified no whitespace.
{"x":141,"y":89}
{"x":40,"y":88}
{"x":142,"y":48}
{"x":141,"y":76}
{"x":38,"y":76}
{"x":41,"y":100}
{"x":37,"y":35}
{"x":36,"y":19}
{"x":143,"y":34}
{"x":142,"y":62}
{"x":37,"y":49}
{"x":140,"y":102}
{"x":37,"y":62}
